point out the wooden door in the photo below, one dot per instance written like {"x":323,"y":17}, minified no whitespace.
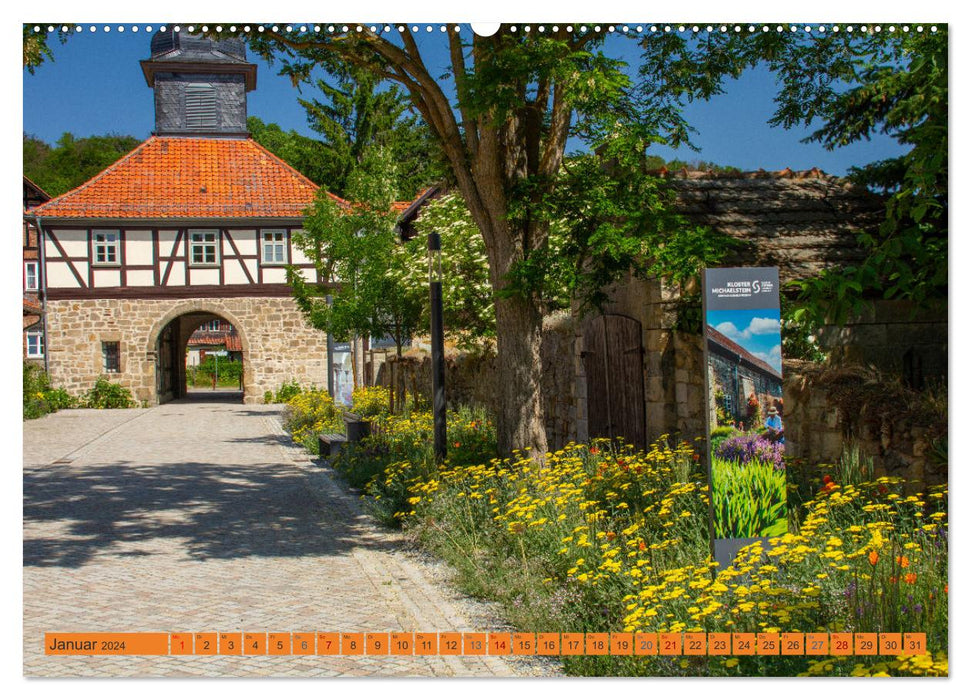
{"x":614,"y":367}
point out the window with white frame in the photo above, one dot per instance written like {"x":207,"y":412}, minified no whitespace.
{"x":274,"y":246}
{"x":35,"y":343}
{"x":105,"y":247}
{"x":30,"y":276}
{"x":203,"y":248}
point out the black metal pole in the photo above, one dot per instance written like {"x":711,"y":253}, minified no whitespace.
{"x":438,"y":344}
{"x":330,"y":355}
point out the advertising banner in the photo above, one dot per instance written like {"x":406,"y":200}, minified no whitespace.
{"x":746,"y":421}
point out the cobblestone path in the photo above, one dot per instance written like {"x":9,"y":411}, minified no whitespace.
{"x":193,"y":517}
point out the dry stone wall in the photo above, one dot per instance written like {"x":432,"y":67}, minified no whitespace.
{"x":277,"y":344}
{"x":903,"y":431}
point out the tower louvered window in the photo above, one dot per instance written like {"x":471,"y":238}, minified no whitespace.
{"x":200,"y":106}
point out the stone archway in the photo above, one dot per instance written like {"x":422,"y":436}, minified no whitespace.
{"x":167,"y":343}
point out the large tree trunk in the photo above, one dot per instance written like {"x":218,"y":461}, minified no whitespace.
{"x":519,"y":334}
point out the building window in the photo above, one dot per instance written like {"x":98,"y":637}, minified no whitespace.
{"x":30,"y":276}
{"x":35,"y":344}
{"x":203,"y":248}
{"x":211,"y":325}
{"x":106,"y":247}
{"x":274,"y":247}
{"x":111,"y":356}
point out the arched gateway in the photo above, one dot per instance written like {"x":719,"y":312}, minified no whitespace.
{"x":195,"y":223}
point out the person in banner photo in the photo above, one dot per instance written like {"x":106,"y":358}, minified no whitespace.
{"x":773,"y":426}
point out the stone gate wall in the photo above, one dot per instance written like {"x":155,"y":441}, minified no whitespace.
{"x":277,"y":344}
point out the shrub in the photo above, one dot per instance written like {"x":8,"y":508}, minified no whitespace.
{"x":288,"y":391}
{"x":36,"y":386}
{"x":58,"y":399}
{"x":401,"y":449}
{"x":105,"y":394}
{"x":309,"y":413}
{"x":39,"y":398}
{"x":370,"y":401}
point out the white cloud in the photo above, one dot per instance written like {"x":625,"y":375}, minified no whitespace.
{"x":773,"y":357}
{"x":757,"y":326}
{"x":729,"y":330}
{"x":763,"y":326}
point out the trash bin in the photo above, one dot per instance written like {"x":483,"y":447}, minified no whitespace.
{"x":357,"y":428}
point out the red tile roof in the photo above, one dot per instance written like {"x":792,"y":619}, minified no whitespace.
{"x":190,"y":178}
{"x":230,"y":341}
{"x":32,"y":306}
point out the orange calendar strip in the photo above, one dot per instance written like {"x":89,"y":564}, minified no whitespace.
{"x":486,"y":643}
{"x":106,"y":644}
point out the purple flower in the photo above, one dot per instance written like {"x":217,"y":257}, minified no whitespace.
{"x":751,"y":448}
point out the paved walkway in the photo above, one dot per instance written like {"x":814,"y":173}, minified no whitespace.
{"x":198,"y":516}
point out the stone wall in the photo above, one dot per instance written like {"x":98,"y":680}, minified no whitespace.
{"x":893,"y":337}
{"x":902,"y":430}
{"x":277,"y":344}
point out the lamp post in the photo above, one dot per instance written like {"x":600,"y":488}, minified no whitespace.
{"x":438,"y":342}
{"x":330,"y":354}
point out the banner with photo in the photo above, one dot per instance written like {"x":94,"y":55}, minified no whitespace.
{"x":746,"y":416}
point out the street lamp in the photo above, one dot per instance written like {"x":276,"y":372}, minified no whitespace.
{"x":329,"y":300}
{"x":438,"y":342}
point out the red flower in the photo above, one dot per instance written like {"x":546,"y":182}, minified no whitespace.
{"x":594,"y":451}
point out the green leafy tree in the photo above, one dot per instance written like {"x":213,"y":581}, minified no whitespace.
{"x":306,"y":155}
{"x":359,"y":260}
{"x":72,"y":161}
{"x":356,"y":111}
{"x":36,"y":49}
{"x":849,"y":86}
{"x":468,"y":312}
{"x":517,"y":99}
{"x":503,"y":118}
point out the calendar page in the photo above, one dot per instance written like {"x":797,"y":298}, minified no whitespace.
{"x":526,"y":349}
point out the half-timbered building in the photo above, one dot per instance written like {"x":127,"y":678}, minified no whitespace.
{"x":33,"y":312}
{"x":195,"y":224}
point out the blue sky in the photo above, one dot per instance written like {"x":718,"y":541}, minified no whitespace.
{"x":756,"y":330}
{"x":95,"y":86}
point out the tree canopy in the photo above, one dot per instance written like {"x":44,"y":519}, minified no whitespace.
{"x":359,"y":259}
{"x":72,"y":161}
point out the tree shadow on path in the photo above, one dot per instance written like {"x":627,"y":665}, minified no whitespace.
{"x":75,"y":513}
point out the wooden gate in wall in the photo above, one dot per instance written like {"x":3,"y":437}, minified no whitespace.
{"x":614,"y":367}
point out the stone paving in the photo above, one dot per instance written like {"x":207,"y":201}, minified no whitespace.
{"x":200,"y":516}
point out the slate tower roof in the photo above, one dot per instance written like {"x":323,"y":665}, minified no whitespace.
{"x":200,"y":84}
